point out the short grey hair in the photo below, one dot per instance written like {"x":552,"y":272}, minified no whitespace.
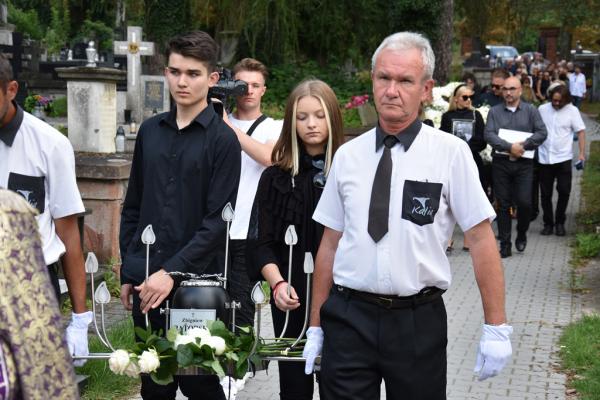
{"x":408,"y":41}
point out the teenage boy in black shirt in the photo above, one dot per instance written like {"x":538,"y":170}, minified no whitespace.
{"x":186,"y":167}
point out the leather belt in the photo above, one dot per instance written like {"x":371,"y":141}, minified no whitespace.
{"x":426,"y":295}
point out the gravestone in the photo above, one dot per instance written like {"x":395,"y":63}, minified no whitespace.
{"x":6,"y":29}
{"x":155,"y":95}
{"x":134,"y":48}
{"x":92,"y":107}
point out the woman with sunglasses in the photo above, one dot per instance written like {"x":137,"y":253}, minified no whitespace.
{"x":464,"y":121}
{"x":287,"y":194}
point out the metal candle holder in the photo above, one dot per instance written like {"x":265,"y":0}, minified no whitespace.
{"x":101,"y":295}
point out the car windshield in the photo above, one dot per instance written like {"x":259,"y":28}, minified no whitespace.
{"x":503,"y":52}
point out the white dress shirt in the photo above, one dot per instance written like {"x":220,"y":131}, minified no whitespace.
{"x":40,"y":165}
{"x":266,"y":131}
{"x":577,"y":84}
{"x":561,"y":125}
{"x":410,"y":256}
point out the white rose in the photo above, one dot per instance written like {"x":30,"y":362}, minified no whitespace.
{"x":132,"y":370}
{"x":200,"y":333}
{"x":184,"y":339}
{"x":217,"y":343}
{"x":118,"y":361}
{"x":149,"y":361}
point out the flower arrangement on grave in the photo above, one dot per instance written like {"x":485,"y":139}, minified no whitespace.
{"x":215,"y":350}
{"x":34,"y":101}
{"x":441,"y":102}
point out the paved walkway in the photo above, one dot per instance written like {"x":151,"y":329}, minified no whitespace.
{"x":539,"y":304}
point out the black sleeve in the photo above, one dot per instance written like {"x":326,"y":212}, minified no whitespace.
{"x":446,"y":124}
{"x":477,"y":143}
{"x":131,"y":206}
{"x":224,"y":180}
{"x":261,"y":246}
{"x":539,"y":130}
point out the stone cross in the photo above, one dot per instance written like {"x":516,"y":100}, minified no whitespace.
{"x":134,"y":48}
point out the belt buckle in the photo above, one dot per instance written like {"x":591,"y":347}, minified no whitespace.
{"x":386,"y":302}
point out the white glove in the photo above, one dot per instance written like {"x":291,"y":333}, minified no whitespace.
{"x":312,"y":347}
{"x":77,"y":336}
{"x":494,"y":350}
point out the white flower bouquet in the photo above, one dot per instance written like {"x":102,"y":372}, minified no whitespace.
{"x":216,"y":350}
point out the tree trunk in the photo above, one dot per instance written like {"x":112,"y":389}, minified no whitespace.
{"x":443,"y":45}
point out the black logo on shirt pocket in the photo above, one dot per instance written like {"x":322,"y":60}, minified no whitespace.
{"x":30,"y":187}
{"x":420,"y":201}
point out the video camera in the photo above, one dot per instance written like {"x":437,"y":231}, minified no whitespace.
{"x":227,"y":88}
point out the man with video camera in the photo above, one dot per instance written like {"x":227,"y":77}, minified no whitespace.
{"x":257,"y":135}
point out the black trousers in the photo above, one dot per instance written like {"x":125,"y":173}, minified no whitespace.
{"x":365,"y":343}
{"x":294,"y":384}
{"x":512,"y":185}
{"x":53,"y":273}
{"x":239,"y":285}
{"x":535,"y":188}
{"x":562,"y":173}
{"x":203,"y":387}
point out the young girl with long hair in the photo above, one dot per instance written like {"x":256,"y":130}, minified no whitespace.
{"x":287,"y":194}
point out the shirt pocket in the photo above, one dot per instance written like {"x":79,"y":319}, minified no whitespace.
{"x":30,"y":187}
{"x":420,"y":201}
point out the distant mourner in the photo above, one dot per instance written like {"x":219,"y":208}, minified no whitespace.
{"x":562,"y":120}
{"x":514,"y":129}
{"x":391,"y":201}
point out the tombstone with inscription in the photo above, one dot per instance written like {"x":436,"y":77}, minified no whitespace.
{"x":155,"y":95}
{"x":134,"y":48}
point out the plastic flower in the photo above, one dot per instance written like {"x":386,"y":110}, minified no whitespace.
{"x":217,"y":343}
{"x":149,"y":361}
{"x":184,"y":339}
{"x":118,"y":361}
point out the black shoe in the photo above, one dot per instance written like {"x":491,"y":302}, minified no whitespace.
{"x":505,"y":250}
{"x":521,"y":242}
{"x":547,"y":230}
{"x":560,"y":230}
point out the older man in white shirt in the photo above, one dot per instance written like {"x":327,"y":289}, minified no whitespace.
{"x":562,"y":120}
{"x":391,"y":201}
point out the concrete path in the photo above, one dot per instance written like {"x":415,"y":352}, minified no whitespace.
{"x":539,"y":304}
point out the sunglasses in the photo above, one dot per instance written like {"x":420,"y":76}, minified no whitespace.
{"x":319,"y":179}
{"x":497,"y":87}
{"x":465,"y":97}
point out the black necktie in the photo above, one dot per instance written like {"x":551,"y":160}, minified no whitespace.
{"x":379,"y":209}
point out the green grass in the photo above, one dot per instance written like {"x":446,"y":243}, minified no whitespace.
{"x":580,"y":353}
{"x":102,"y":383}
{"x":590,"y":108}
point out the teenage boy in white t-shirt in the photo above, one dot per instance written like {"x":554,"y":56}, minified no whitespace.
{"x":257,"y":135}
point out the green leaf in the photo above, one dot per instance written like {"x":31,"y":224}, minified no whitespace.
{"x":185,"y":355}
{"x":162,"y":345}
{"x":172,"y":334}
{"x":216,"y":366}
{"x":142,"y":333}
{"x":161,"y":379}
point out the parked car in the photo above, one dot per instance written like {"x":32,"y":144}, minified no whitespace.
{"x":498,"y":54}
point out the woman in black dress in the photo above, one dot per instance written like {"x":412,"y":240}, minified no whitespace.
{"x":287,"y":194}
{"x":463,"y":121}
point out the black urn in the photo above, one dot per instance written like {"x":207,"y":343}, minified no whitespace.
{"x":204,"y":295}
